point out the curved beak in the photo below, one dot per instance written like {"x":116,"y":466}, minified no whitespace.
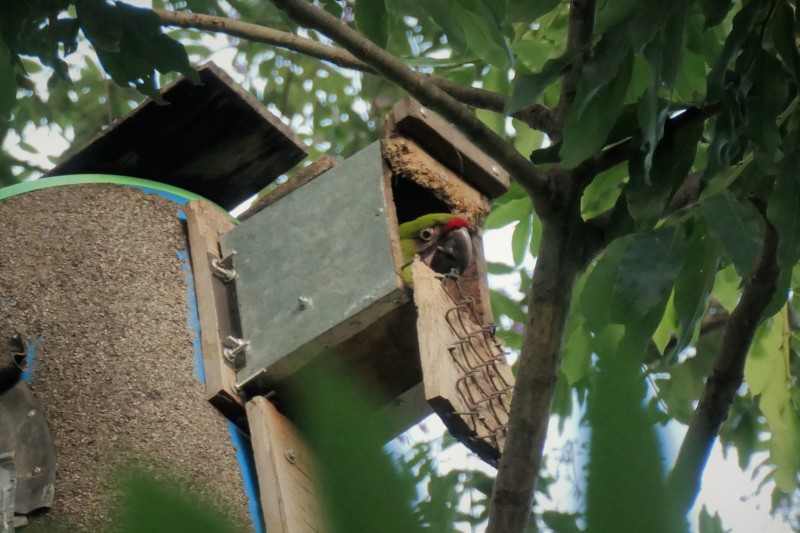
{"x":453,"y":253}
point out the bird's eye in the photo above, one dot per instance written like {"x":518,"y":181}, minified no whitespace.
{"x":426,"y":234}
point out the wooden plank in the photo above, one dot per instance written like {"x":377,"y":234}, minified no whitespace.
{"x":410,"y":162}
{"x":404,"y":411}
{"x":295,"y":181}
{"x":205,"y":223}
{"x":285,"y":472}
{"x":466,"y":378}
{"x":214,"y":139}
{"x":450,"y":146}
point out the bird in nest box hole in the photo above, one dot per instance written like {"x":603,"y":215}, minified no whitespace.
{"x":441,"y":240}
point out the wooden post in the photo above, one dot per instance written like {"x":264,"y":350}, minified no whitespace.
{"x":205,"y":223}
{"x":285,"y":472}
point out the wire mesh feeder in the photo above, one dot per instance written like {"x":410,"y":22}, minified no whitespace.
{"x":467,"y":379}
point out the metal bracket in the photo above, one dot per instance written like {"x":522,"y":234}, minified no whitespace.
{"x":223,"y":268}
{"x":234,"y":350}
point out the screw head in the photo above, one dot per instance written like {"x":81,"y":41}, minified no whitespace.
{"x":496,"y":170}
{"x":423,"y":111}
{"x":31,"y":413}
{"x":37,"y":470}
{"x":290,"y":456}
{"x":305,"y":302}
{"x":379,"y":212}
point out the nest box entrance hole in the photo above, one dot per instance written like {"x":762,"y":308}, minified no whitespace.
{"x":412,"y":200}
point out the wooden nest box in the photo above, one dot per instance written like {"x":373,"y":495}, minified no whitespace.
{"x":318,"y":274}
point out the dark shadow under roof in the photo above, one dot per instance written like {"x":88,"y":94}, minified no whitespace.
{"x":215,"y":139}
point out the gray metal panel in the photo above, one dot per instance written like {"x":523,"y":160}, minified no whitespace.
{"x":329,"y":241}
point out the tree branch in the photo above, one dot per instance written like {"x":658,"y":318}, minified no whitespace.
{"x":579,"y":37}
{"x":394,"y":70}
{"x":726,"y":376}
{"x":537,"y":117}
{"x":620,"y":152}
{"x":561,"y":258}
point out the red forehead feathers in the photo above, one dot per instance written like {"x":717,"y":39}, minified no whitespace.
{"x":455,"y":224}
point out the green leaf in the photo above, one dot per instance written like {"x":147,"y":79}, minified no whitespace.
{"x":530,"y":55}
{"x":445,"y":17}
{"x":591,"y":118}
{"x":737,"y":226}
{"x":694,"y":283}
{"x":526,"y":139}
{"x":613,"y":12}
{"x":783,"y":445}
{"x":372,"y":20}
{"x":512,"y":211}
{"x":767,"y":98}
{"x":352,"y":469}
{"x":764,"y":369}
{"x":741,"y":430}
{"x":766,"y":375}
{"x":604,"y":68}
{"x":647,"y":272}
{"x":710,"y":524}
{"x":528,"y":10}
{"x":8,"y":83}
{"x":625,"y":488}
{"x":536,"y":236}
{"x":727,"y":141}
{"x":499,"y":269}
{"x":520,"y":240}
{"x":100,"y":23}
{"x":743,"y":24}
{"x":641,"y":80}
{"x":663,"y":333}
{"x":690,"y":85}
{"x":783,"y":210}
{"x":495,"y":80}
{"x":603,"y":192}
{"x":142,"y":47}
{"x":783,"y":36}
{"x":648,"y":21}
{"x":334,"y":8}
{"x":153,"y":502}
{"x":715,"y":11}
{"x":685,"y":381}
{"x":726,"y":287}
{"x":510,"y":338}
{"x":483,"y":33}
{"x":502,"y":304}
{"x":672,"y":160}
{"x":577,"y":351}
{"x":597,"y":292}
{"x":562,"y":522}
{"x":529,"y":87}
{"x":664,"y":55}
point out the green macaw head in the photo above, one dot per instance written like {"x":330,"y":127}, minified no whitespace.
{"x":441,"y":240}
